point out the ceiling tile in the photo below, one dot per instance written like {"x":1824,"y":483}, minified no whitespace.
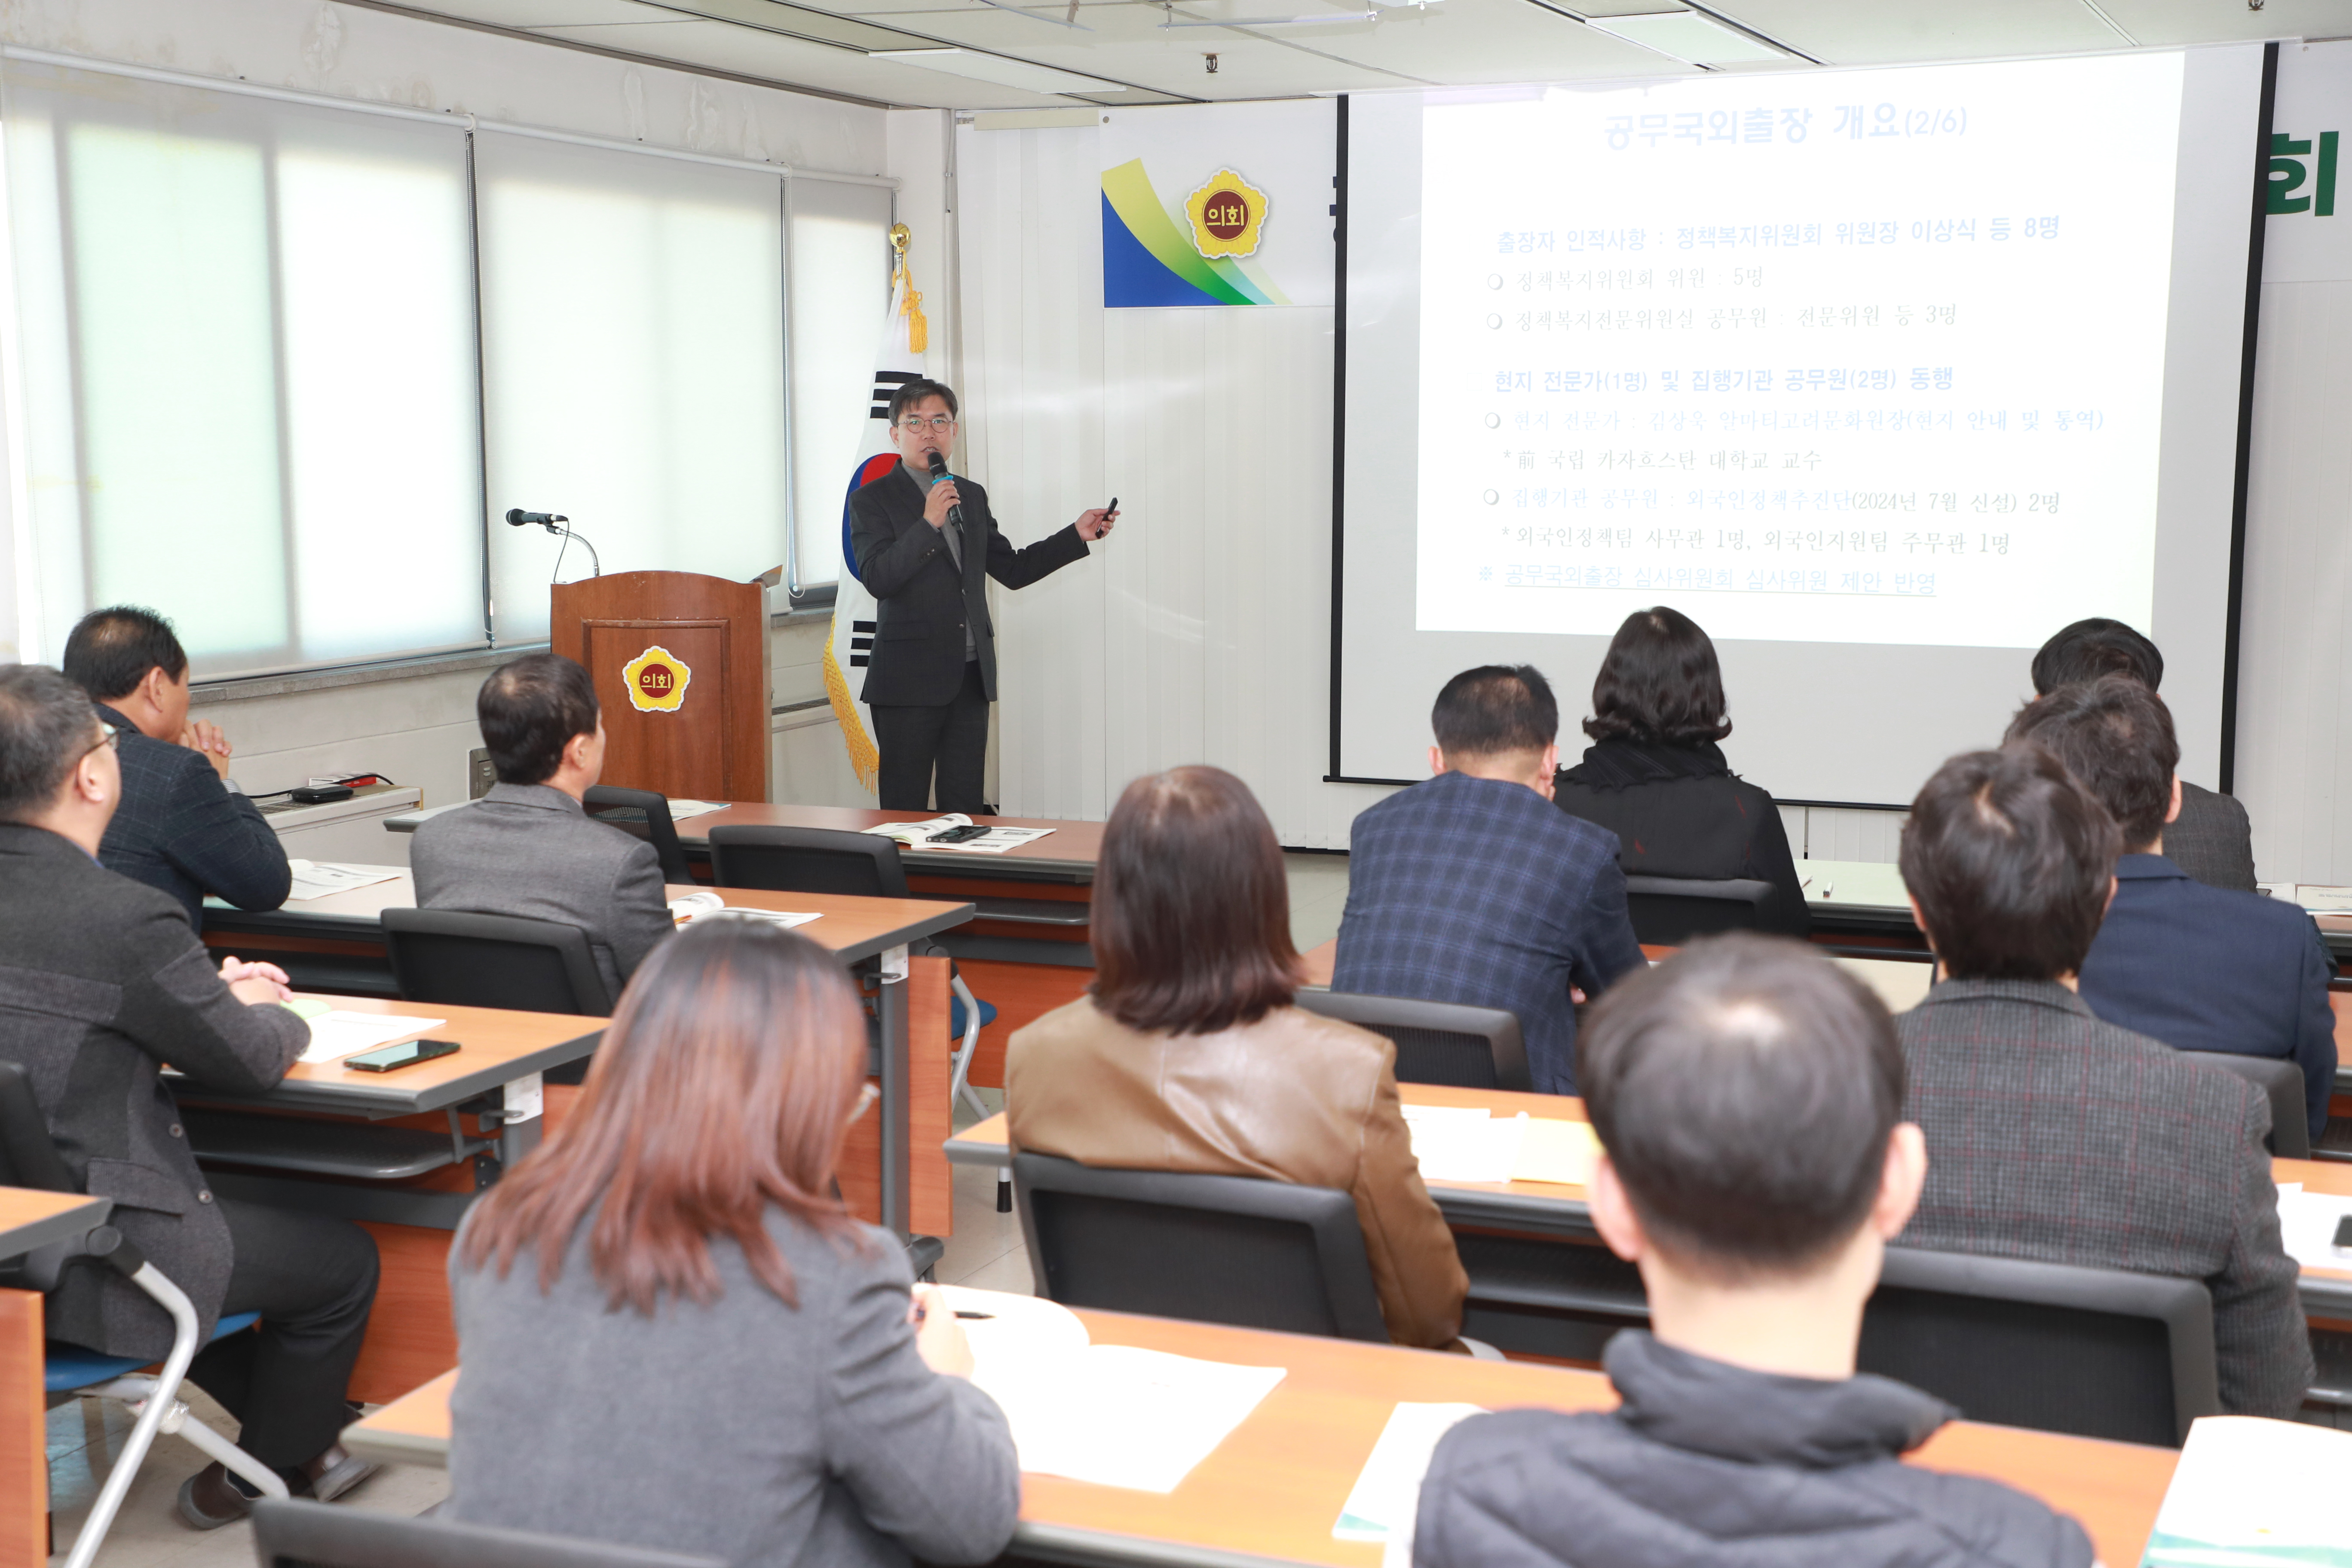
{"x":2214,"y":21}
{"x":1886,"y":32}
{"x":1127,"y":45}
{"x":1463,"y":43}
{"x":541,"y":13}
{"x":746,"y":51}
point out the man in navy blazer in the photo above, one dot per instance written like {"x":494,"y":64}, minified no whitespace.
{"x":1472,"y":887}
{"x":2200,"y":968}
{"x":183,"y":827}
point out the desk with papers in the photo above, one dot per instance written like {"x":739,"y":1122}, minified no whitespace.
{"x":1275,"y":1488}
{"x":335,"y":944}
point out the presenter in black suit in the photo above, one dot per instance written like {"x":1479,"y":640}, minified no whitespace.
{"x":932,"y":673}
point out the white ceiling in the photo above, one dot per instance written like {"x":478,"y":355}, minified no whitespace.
{"x":822,"y":44}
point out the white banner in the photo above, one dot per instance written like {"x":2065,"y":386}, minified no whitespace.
{"x":2309,"y":238}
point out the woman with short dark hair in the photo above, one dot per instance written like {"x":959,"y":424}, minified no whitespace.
{"x":671,"y":1332}
{"x":1187,"y":1055}
{"x":1657,"y":778}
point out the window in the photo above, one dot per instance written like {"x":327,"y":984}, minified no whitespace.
{"x":633,"y":330}
{"x":249,"y":353}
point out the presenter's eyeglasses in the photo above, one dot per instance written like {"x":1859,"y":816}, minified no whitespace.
{"x":937,"y":424}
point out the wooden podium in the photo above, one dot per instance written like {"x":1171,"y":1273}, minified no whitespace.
{"x":680,"y":663}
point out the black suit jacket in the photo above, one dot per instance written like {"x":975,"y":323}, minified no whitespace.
{"x":2213,"y":841}
{"x":921,"y":605}
{"x":101,"y":982}
{"x":181,"y":830}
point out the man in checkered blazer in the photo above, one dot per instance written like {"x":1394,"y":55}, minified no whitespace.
{"x":1472,"y":887}
{"x":2054,"y":1136}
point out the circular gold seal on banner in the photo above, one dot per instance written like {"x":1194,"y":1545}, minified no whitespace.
{"x":1227,"y":213}
{"x":656,"y":680}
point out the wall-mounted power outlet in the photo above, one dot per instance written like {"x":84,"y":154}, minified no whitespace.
{"x":479,"y":774}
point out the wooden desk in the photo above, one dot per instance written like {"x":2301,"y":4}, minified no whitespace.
{"x":910,"y":1192}
{"x":1557,"y":1210}
{"x":1272,"y":1490}
{"x":27,"y":1220}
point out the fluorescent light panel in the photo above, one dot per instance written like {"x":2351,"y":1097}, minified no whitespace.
{"x":996,"y":69}
{"x":1688,"y":35}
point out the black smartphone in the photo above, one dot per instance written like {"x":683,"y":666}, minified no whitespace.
{"x":406,"y":1053}
{"x":958,"y":835}
{"x":2342,"y":1242}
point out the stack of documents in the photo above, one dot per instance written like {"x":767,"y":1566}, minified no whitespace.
{"x":1386,"y":1491}
{"x":680,"y":810}
{"x":2250,"y":1491}
{"x":2307,"y":1224}
{"x":689,"y":908}
{"x":1112,"y":1414}
{"x":337,"y":1035}
{"x":317,"y":878}
{"x":1470,"y":1145}
{"x":995,"y":841}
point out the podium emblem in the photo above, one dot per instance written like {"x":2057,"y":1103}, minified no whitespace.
{"x":656,"y":680}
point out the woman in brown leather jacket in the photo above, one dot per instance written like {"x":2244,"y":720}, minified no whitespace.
{"x":1187,"y":1053}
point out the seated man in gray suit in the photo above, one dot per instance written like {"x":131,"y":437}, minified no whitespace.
{"x":2054,"y":1136}
{"x":528,"y":849}
{"x":2211,"y":839}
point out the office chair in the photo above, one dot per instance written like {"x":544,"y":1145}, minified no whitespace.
{"x":28,"y":1158}
{"x":1670,"y":910}
{"x":2097,"y":1353}
{"x":1253,"y":1253}
{"x":629,"y":809}
{"x":299,"y":1533}
{"x":855,"y":865}
{"x":2280,"y":1080}
{"x":465,"y":960}
{"x":1436,"y":1042}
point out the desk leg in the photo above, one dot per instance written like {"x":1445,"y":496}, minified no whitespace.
{"x":524,"y":1105}
{"x":892,"y":1007}
{"x":24,"y":1450}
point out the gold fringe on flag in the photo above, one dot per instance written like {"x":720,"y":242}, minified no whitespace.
{"x":919,"y":330}
{"x":865,"y":758}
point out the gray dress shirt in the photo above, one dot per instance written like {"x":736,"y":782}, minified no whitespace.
{"x":740,"y":1428}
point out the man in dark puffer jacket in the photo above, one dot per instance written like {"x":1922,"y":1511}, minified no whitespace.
{"x":1746,"y":1093}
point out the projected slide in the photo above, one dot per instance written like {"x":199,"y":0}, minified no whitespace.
{"x":1870,"y":357}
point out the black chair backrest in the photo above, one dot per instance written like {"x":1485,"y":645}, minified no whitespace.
{"x":629,"y":809}
{"x":2093,"y":1352}
{"x":2282,"y":1080}
{"x":463,"y":960}
{"x":297,"y":1533}
{"x":1211,"y":1249}
{"x":1667,"y":911}
{"x":807,"y":860}
{"x":28,"y":1156}
{"x":1436,"y":1042}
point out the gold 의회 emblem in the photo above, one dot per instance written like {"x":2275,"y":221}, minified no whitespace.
{"x":656,"y":680}
{"x":1227,"y":214}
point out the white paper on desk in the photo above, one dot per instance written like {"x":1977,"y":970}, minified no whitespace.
{"x":1390,"y":1482}
{"x":680,"y":810}
{"x":2307,"y":1224}
{"x":1119,"y":1417}
{"x":2251,"y":1491}
{"x":995,"y":841}
{"x":784,"y":918}
{"x":337,"y":1035}
{"x":317,"y":878}
{"x":912,"y":834}
{"x":1463,"y":1144}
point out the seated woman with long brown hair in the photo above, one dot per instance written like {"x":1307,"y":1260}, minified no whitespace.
{"x":671,"y":1335}
{"x":1187,"y":1053}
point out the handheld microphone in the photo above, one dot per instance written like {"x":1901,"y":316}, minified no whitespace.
{"x":518,"y":518}
{"x":940,"y":471}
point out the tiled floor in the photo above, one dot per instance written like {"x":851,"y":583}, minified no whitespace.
{"x":985,"y":1252}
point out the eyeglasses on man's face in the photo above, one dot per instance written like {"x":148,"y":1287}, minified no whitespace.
{"x":937,"y":424}
{"x":111,"y":737}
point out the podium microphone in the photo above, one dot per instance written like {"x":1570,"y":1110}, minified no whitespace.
{"x":940,"y":471}
{"x":518,"y":518}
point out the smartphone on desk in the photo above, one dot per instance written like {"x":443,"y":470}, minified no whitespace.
{"x":962,"y":834}
{"x":406,"y":1053}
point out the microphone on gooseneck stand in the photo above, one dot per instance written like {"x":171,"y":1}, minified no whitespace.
{"x":518,"y":518}
{"x":940,"y":471}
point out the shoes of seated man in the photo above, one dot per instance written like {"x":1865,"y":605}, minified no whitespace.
{"x":213,"y":1495}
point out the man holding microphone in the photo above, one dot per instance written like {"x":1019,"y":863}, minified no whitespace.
{"x":923,"y":539}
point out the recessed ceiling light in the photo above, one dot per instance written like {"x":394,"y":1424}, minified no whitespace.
{"x":1003,"y":72}
{"x":1688,"y":35}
